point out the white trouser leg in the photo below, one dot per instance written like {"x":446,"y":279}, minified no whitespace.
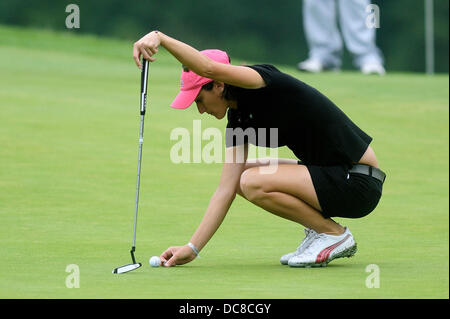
{"x":321,"y":31}
{"x":359,"y":39}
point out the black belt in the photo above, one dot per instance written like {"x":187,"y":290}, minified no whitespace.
{"x":368,"y":170}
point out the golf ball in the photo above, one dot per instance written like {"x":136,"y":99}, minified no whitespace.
{"x":155,"y":261}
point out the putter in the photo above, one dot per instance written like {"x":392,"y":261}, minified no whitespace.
{"x":144,"y":78}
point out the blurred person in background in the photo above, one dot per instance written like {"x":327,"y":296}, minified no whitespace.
{"x":325,"y":40}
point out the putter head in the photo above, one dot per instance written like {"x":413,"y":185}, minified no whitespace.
{"x":126,"y":268}
{"x":129,"y":267}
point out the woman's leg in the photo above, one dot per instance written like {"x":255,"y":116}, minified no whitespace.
{"x":288,"y":193}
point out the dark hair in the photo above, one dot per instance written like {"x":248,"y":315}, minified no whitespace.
{"x":228,"y":91}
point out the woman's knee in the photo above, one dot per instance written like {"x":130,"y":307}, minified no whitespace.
{"x":249,"y":184}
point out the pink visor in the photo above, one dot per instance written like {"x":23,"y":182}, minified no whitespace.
{"x":191,"y":83}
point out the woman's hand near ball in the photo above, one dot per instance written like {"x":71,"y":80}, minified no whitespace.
{"x":177,"y":255}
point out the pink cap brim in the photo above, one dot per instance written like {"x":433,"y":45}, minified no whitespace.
{"x":184,"y":99}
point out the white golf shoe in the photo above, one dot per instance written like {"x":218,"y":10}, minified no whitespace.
{"x":309,"y":236}
{"x":310,"y":65}
{"x":314,"y":65}
{"x":373,"y":68}
{"x":324,"y":248}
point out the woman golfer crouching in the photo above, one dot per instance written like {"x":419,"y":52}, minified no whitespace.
{"x":337,"y":175}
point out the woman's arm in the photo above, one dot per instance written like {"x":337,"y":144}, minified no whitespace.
{"x":217,"y":209}
{"x":200,"y":64}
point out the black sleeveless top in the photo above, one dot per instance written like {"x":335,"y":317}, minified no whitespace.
{"x":288,"y":112}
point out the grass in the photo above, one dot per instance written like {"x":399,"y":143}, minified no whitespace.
{"x":68,"y":141}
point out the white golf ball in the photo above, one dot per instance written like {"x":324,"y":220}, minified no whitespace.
{"x":155,"y":261}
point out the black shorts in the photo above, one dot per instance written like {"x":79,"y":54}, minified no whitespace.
{"x":344,"y":194}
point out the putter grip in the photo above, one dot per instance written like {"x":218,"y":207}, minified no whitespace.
{"x":144,"y":80}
